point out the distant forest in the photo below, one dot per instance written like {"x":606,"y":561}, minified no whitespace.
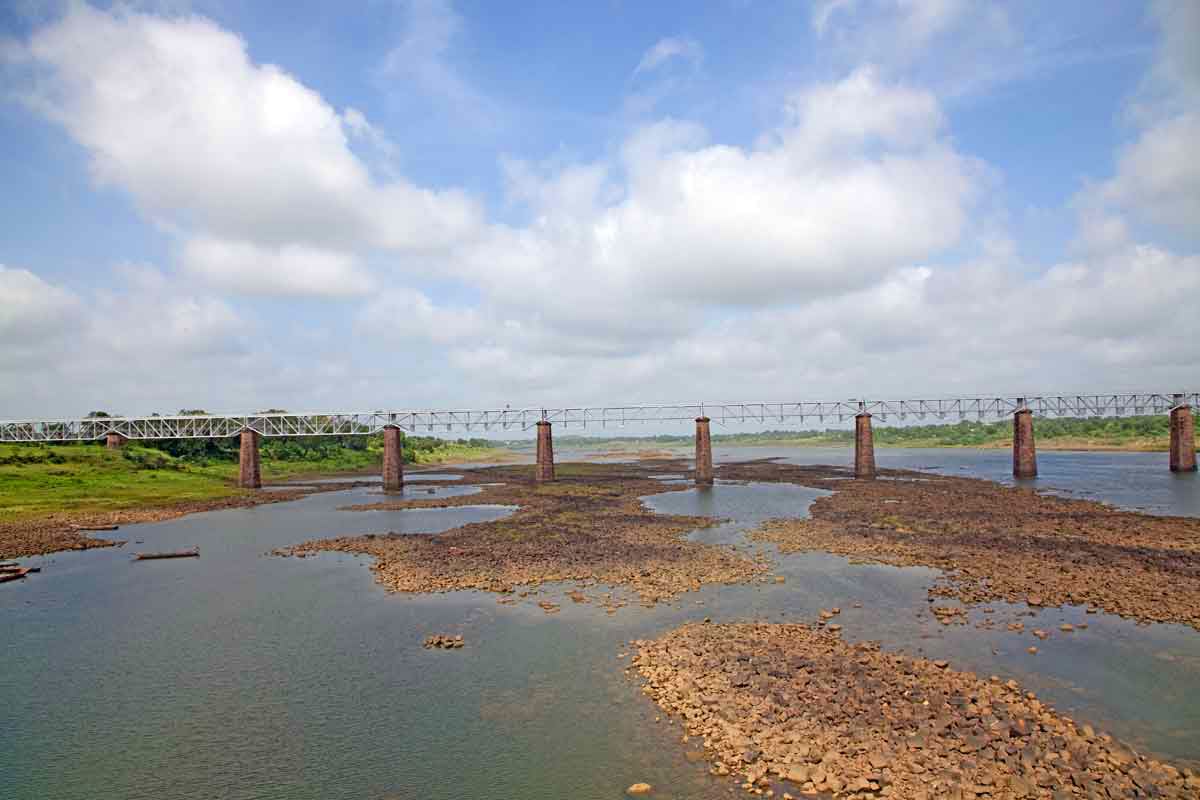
{"x":1107,"y":430}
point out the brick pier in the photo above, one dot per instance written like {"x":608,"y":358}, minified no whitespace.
{"x":1183,"y":439}
{"x":704,"y":464}
{"x":1024,"y":450}
{"x":393,"y":460}
{"x":864,"y":447}
{"x":249,"y":468}
{"x":114,"y":441}
{"x":545,"y":453}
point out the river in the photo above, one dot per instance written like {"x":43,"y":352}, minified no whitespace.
{"x":244,"y":675}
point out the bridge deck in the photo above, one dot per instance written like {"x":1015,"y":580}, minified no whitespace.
{"x":603,"y":417}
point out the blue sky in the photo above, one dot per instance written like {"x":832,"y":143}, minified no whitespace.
{"x":429,"y":203}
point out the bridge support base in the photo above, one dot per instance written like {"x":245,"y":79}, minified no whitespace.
{"x":864,"y":447}
{"x":1024,"y":450}
{"x":545,"y":453}
{"x":393,"y":460}
{"x":114,"y":441}
{"x":249,"y":467}
{"x":1183,"y":440}
{"x":704,"y":463}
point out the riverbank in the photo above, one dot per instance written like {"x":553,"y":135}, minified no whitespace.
{"x":48,"y":492}
{"x":588,"y":526}
{"x":789,"y":707}
{"x":84,"y":530}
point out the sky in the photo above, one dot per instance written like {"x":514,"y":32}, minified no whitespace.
{"x":434,"y":204}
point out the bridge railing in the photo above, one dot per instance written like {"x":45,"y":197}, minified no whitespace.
{"x":349,"y":423}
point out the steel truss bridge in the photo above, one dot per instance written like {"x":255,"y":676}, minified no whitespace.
{"x":347,"y":423}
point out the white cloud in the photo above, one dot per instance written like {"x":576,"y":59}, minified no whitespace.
{"x":1158,"y":175}
{"x":398,"y":314}
{"x":215,"y":146}
{"x":421,"y":61}
{"x":855,"y":182}
{"x":289,"y":269}
{"x":143,"y":342}
{"x":671,"y":47}
{"x":31,"y":307}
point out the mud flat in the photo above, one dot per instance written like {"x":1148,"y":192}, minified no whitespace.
{"x":70,"y":531}
{"x":588,"y":526}
{"x":790,"y":708}
{"x":998,"y":543}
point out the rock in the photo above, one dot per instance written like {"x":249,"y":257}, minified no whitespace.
{"x":443,"y":641}
{"x":639,"y":788}
{"x":855,"y":721}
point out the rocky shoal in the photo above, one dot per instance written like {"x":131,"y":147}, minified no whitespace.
{"x":588,"y":526}
{"x":999,"y":543}
{"x":793,"y":710}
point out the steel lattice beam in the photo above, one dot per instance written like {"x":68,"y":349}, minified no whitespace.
{"x":343,"y":423}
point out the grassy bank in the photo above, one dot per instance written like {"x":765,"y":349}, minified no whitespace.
{"x":1146,"y":433}
{"x":39,"y":480}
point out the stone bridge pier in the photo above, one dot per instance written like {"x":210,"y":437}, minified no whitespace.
{"x":1024,"y":450}
{"x":544,"y":470}
{"x":864,"y":447}
{"x":1183,"y":437}
{"x":114,"y":441}
{"x":393,"y":460}
{"x":704,"y":463}
{"x":249,"y":466}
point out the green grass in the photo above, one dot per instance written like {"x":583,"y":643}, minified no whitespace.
{"x":37,"y":481}
{"x":40,"y":480}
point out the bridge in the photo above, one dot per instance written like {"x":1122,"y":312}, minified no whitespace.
{"x":115,"y":431}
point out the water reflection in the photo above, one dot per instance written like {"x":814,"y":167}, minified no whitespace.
{"x":242,"y":675}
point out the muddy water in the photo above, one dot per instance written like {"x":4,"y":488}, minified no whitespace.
{"x":241,"y":675}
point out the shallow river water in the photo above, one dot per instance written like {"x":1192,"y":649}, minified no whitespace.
{"x":243,"y":675}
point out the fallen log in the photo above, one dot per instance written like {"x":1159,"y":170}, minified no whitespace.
{"x":193,"y":553}
{"x":95,"y":527}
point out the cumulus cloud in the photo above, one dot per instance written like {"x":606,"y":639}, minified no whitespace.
{"x":1158,"y":177}
{"x":833,"y":255}
{"x":142,"y":340}
{"x":288,"y":269}
{"x":397,"y":314}
{"x":215,"y":146}
{"x":856,"y":180}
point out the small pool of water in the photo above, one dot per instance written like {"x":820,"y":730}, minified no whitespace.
{"x":417,"y":477}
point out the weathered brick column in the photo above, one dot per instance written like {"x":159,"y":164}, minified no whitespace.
{"x":1183,"y":439}
{"x":393,"y":460}
{"x":114,"y":441}
{"x":704,"y":467}
{"x":864,"y":447}
{"x":249,"y":468}
{"x":1024,"y":451}
{"x":545,"y":453}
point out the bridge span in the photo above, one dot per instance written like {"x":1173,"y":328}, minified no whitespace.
{"x":251,"y":427}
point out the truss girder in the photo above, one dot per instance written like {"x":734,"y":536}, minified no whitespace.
{"x":352,"y":423}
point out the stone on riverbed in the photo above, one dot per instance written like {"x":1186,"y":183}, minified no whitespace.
{"x":796,"y":703}
{"x":443,"y":641}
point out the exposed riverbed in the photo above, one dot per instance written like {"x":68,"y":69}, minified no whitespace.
{"x":239,"y":675}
